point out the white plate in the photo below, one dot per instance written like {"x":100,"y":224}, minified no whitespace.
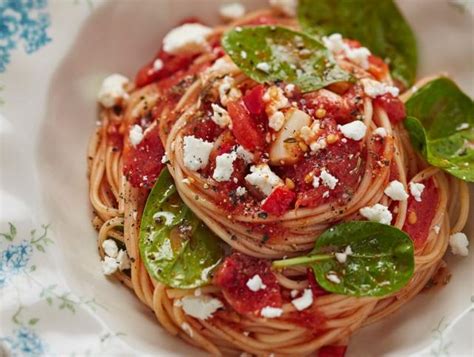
{"x":57,"y":301}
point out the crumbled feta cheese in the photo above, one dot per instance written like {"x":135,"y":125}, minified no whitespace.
{"x":136,"y":135}
{"x":123,"y":260}
{"x":332,"y":277}
{"x":316,"y":180}
{"x":240,"y":191}
{"x":462,"y":126}
{"x":335,"y":43}
{"x":342,"y":257}
{"x":244,"y":154}
{"x":255,"y":283}
{"x":263,"y":178}
{"x":396,"y":191}
{"x":359,"y":56}
{"x":374,"y":88}
{"x":459,"y":244}
{"x":354,"y":130}
{"x":437,"y":228}
{"x":187,"y":328}
{"x":326,"y":194}
{"x":196,"y":152}
{"x":157,"y":64}
{"x":319,"y":144}
{"x":224,"y":167}
{"x":198,"y":292}
{"x":187,"y":39}
{"x":276,"y":120}
{"x":294,"y":293}
{"x":110,"y":248}
{"x":328,"y":180}
{"x":304,"y":301}
{"x":222,"y":66}
{"x":243,"y":54}
{"x":164,"y":159}
{"x":109,"y":265}
{"x":232,"y":11}
{"x":377,"y":213}
{"x":288,"y":7}
{"x":416,"y":190}
{"x":113,"y":91}
{"x":227,"y":91}
{"x":275,"y":99}
{"x":380,"y":132}
{"x":271,"y":312}
{"x":289,"y":89}
{"x":264,"y":67}
{"x":220,"y":116}
{"x":201,"y":307}
{"x":163,"y":216}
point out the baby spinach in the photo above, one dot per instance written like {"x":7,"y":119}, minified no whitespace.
{"x":377,"y":24}
{"x":271,"y":53}
{"x":177,"y":248}
{"x":441,"y":126}
{"x":381,"y":261}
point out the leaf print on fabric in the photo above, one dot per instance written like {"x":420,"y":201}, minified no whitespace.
{"x":23,"y":22}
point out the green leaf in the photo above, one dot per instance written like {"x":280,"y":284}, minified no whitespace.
{"x":382,"y":260}
{"x":377,"y":24}
{"x":441,"y":127}
{"x":33,"y":321}
{"x":180,"y":254}
{"x":292,"y":57}
{"x":9,"y":236}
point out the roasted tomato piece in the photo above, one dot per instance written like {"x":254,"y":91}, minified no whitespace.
{"x":244,"y":127}
{"x":421,"y":214}
{"x":142,"y":163}
{"x":377,"y":67}
{"x":332,"y":351}
{"x":233,"y":275}
{"x":393,"y":106}
{"x":279,"y":201}
{"x":253,"y":100}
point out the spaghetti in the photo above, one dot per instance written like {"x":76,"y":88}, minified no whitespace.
{"x":174,"y":105}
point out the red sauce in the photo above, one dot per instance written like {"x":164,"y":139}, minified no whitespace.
{"x":332,"y":351}
{"x":393,"y":106}
{"x":232,"y":277}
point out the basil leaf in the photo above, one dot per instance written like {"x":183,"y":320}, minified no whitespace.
{"x":441,"y":127}
{"x":382,"y":260}
{"x":270,"y":53}
{"x":178,"y":250}
{"x":377,"y":24}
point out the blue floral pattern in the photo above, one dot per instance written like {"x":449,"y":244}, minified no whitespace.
{"x":13,"y":260}
{"x":24,"y":21}
{"x":24,"y":342}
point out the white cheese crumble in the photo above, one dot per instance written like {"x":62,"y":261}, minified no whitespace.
{"x":220,"y":116}
{"x":326,"y":194}
{"x":113,"y":91}
{"x":224,"y":167}
{"x":374,"y":88}
{"x":136,"y":135}
{"x":377,"y":213}
{"x":288,"y":7}
{"x":187,"y":328}
{"x":276,"y":120}
{"x":255,"y":283}
{"x":294,"y":293}
{"x":335,"y":43}
{"x":359,"y":56}
{"x":244,"y":154}
{"x":263,"y":66}
{"x":342,"y":257}
{"x":437,"y":228}
{"x":227,"y":91}
{"x":164,"y":159}
{"x":396,"y":191}
{"x":196,"y":152}
{"x":289,"y":89}
{"x":243,"y":54}
{"x":166,"y":217}
{"x":462,"y":126}
{"x":232,"y":11}
{"x":459,"y":244}
{"x":157,"y":64}
{"x":332,"y":277}
{"x":187,"y":39}
{"x":354,"y":130}
{"x":328,"y":180}
{"x":380,"y":132}
{"x":110,"y":248}
{"x":416,"y":190}
{"x":271,"y":312}
{"x":123,"y":260}
{"x":263,"y":178}
{"x":316,"y":181}
{"x":109,"y":265}
{"x":304,"y":301}
{"x":201,"y":307}
{"x":240,"y":191}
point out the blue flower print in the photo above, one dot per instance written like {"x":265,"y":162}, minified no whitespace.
{"x":24,"y":342}
{"x":13,"y":260}
{"x":24,"y":21}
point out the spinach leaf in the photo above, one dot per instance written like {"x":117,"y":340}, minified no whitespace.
{"x":382,"y":260}
{"x":441,"y":126}
{"x":271,"y":53}
{"x":377,"y":24}
{"x":177,"y":248}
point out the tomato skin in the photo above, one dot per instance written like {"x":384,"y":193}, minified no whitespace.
{"x":393,"y":106}
{"x":332,"y":351}
{"x":279,"y":201}
{"x":244,"y":128}
{"x":253,"y":100}
{"x":232,"y":277}
{"x":424,"y":211}
{"x":377,"y":67}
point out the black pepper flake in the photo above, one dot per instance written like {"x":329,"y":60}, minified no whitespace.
{"x":265,"y":238}
{"x":263,"y":215}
